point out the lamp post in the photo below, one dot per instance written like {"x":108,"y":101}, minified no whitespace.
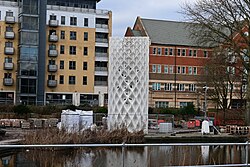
{"x":205,"y":106}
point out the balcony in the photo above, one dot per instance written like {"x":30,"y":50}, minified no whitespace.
{"x":8,"y":66}
{"x":53,"y":23}
{"x":103,"y":28}
{"x":101,"y":40}
{"x":101,"y":71}
{"x":101,"y":83}
{"x":9,"y":35}
{"x":10,"y":19}
{"x":52,"y":68}
{"x":53,"y":38}
{"x":9,"y":50}
{"x":8,"y":81}
{"x":53,"y":53}
{"x":101,"y":56}
{"x":51,"y":83}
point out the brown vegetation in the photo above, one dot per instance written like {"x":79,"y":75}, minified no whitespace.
{"x":55,"y":136}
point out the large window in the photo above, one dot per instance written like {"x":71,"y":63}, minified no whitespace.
{"x":72,"y":35}
{"x":156,"y":86}
{"x":154,"y":68}
{"x":85,"y":51}
{"x":62,"y":49}
{"x":61,"y":79}
{"x":62,"y":35}
{"x":72,"y":65}
{"x":61,"y":64}
{"x":73,"y":21}
{"x":86,"y":36}
{"x":28,"y":85}
{"x":62,"y":20}
{"x":72,"y":50}
{"x":159,"y":69}
{"x":161,"y":104}
{"x":181,"y":87}
{"x":72,"y":80}
{"x":85,"y":80}
{"x":85,"y":65}
{"x":168,"y":86}
{"x":192,"y":87}
{"x":86,"y":22}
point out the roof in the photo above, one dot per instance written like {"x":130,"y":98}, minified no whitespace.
{"x":136,"y":33}
{"x":168,"y":32}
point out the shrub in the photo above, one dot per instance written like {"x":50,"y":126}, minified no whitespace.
{"x":21,"y":109}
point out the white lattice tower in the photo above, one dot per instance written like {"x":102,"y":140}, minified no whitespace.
{"x":128,"y":83}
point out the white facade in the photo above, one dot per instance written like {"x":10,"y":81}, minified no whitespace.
{"x":128,"y":83}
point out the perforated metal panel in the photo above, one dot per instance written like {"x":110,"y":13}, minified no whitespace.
{"x":128,"y":83}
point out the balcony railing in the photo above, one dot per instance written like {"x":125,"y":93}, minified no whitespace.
{"x":51,"y":83}
{"x":105,"y":26}
{"x":9,"y":35}
{"x":53,"y":38}
{"x":8,"y":81}
{"x":52,"y":68}
{"x":53,"y":53}
{"x":101,"y":68}
{"x":99,"y":54}
{"x":101,"y":40}
{"x":8,"y":66}
{"x":10,"y":19}
{"x":101,"y":83}
{"x":53,"y":23}
{"x":9,"y":50}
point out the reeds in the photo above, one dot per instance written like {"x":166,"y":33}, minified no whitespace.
{"x":55,"y":136}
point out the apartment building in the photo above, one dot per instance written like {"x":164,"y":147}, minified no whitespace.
{"x":54,"y":52}
{"x":176,"y":63}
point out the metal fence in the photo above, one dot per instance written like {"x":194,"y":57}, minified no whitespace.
{"x":124,"y":145}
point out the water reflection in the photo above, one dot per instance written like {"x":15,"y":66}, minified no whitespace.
{"x":130,"y":156}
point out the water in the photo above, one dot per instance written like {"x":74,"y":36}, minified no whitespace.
{"x":150,"y":156}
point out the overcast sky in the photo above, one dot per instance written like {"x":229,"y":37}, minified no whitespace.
{"x":125,"y":11}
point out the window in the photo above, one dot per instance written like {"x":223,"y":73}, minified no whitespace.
{"x":61,"y":64}
{"x":159,"y":69}
{"x":154,"y":68}
{"x":9,"y":29}
{"x":72,"y":80}
{"x":190,"y":70}
{"x":85,"y":51}
{"x":205,"y":53}
{"x":8,"y":60}
{"x":195,"y":70}
{"x":195,"y":53}
{"x":9,"y":44}
{"x":171,"y":69}
{"x":52,"y":62}
{"x":85,"y":65}
{"x":183,"y":53}
{"x":166,"y":69}
{"x":161,"y":104}
{"x":7,"y":75}
{"x":51,"y":77}
{"x":62,"y":48}
{"x":192,"y":87}
{"x":168,"y":86}
{"x":183,"y":70}
{"x":156,"y":86}
{"x":8,"y":13}
{"x":72,"y":50}
{"x":178,"y":52}
{"x":61,"y":79}
{"x":159,"y":51}
{"x":178,"y":69}
{"x":231,"y":70}
{"x":86,"y":36}
{"x":154,"y":51}
{"x":166,"y":51}
{"x":84,"y":80}
{"x":73,"y":21}
{"x":52,"y":17}
{"x":72,"y":65}
{"x":86,"y":22}
{"x":190,"y":52}
{"x":185,"y":104}
{"x":72,"y":35}
{"x":181,"y":87}
{"x":171,"y":51}
{"x":62,"y":20}
{"x":62,"y":35}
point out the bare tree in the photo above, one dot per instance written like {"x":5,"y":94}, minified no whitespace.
{"x":223,"y":77}
{"x":223,"y":23}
